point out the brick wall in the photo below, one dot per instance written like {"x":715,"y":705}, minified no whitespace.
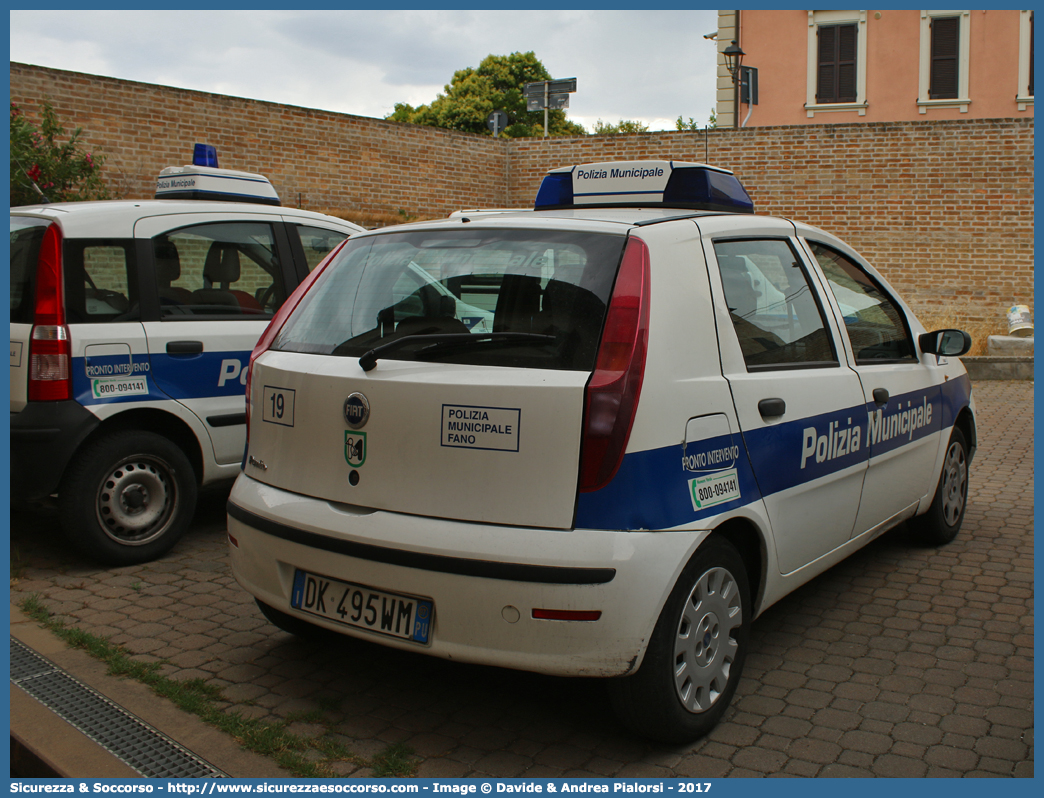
{"x":943,"y":209}
{"x":318,"y":159}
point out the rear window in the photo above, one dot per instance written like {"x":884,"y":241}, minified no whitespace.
{"x":468,"y":283}
{"x":100,"y":281}
{"x":26,"y":236}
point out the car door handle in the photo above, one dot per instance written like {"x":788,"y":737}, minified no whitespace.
{"x":184,"y":347}
{"x":880,"y":397}
{"x":772,"y":407}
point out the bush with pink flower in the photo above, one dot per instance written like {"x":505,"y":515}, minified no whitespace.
{"x":49,"y":165}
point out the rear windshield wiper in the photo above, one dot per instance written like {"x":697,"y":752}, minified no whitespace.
{"x":487,"y":339}
{"x":369,"y":360}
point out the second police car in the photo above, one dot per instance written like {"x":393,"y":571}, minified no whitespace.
{"x":683,"y":411}
{"x":131,"y":326}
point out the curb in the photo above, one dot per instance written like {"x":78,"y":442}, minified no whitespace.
{"x":43,"y":745}
{"x":998,"y":368}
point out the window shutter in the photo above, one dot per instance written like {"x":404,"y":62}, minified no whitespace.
{"x":944,"y":75}
{"x":837,"y":63}
{"x":846,"y":63}
{"x":827,"y":87}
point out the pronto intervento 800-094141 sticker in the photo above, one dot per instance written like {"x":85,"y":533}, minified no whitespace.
{"x":716,"y":488}
{"x":115,"y":388}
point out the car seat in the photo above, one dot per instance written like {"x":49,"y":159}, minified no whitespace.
{"x":168,"y":269}
{"x":222,"y":269}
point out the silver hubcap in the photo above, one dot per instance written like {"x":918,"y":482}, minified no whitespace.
{"x":705,"y":648}
{"x":955,"y":484}
{"x":136,"y":501}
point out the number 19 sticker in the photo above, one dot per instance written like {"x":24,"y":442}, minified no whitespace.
{"x":277,"y":406}
{"x":712,"y":489}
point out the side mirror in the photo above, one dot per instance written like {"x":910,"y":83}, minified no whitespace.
{"x":945,"y":343}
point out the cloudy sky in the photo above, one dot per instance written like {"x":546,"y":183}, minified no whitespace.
{"x":651,"y":65}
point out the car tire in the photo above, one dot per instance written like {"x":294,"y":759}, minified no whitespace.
{"x":127,"y":498}
{"x":291,"y":623}
{"x":943,"y":520}
{"x":696,"y":654}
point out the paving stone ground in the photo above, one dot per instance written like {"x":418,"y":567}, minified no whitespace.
{"x":902,"y":661}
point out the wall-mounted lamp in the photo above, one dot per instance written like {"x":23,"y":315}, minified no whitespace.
{"x":733,"y":59}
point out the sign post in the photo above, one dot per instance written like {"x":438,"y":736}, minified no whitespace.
{"x":549,"y":94}
{"x":497,"y":121}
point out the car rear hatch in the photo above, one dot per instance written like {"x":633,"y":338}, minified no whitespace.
{"x":381,"y":391}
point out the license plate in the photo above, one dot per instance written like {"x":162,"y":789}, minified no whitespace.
{"x":362,"y":607}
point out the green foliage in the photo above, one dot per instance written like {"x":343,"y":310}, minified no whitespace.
{"x":394,"y":761}
{"x":623,"y":126}
{"x":692,"y":124}
{"x":43,"y":157}
{"x":496,"y":85}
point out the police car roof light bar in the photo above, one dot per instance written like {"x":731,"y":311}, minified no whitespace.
{"x":196,"y":182}
{"x":204,"y":155}
{"x":644,"y":184}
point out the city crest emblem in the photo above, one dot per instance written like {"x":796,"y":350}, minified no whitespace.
{"x":354,"y":448}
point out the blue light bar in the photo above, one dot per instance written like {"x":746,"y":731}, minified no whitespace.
{"x":556,"y":191}
{"x":643,"y":184}
{"x":207,"y":183}
{"x":204,"y":155}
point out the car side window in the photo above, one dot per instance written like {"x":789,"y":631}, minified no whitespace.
{"x":773,"y":307}
{"x":99,"y":286}
{"x":318,"y":243}
{"x":228,"y":269}
{"x":875,"y":324}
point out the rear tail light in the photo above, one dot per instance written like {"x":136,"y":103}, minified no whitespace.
{"x":274,"y":326}
{"x":50,"y":352}
{"x":612,"y":393}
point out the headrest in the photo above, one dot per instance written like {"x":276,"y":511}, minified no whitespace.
{"x":168,"y":264}
{"x":222,"y":265}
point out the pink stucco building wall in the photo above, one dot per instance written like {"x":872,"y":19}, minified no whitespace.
{"x":996,"y":63}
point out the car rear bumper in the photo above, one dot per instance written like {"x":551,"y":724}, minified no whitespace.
{"x":44,"y":437}
{"x":484,"y":580}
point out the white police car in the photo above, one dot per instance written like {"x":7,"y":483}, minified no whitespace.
{"x":131,"y":326}
{"x":683,"y":412}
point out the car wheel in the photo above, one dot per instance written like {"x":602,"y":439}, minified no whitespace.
{"x":290,"y":623}
{"x":127,"y":497}
{"x":696,"y":653}
{"x":943,"y":520}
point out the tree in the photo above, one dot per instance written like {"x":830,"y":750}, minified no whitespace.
{"x":45,"y":166}
{"x":496,"y":85}
{"x":623,"y":126}
{"x":692,"y":124}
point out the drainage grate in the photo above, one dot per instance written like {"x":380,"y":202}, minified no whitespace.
{"x":122,"y":734}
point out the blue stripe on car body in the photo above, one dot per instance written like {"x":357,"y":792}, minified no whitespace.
{"x":651,"y":489}
{"x":167,"y":376}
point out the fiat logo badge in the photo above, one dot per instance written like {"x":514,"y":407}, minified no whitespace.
{"x":356,"y":411}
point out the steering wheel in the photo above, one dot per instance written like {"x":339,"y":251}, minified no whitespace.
{"x":268,"y":296}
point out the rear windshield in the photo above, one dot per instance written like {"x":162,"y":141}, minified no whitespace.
{"x":26,"y":236}
{"x":550,"y":286}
